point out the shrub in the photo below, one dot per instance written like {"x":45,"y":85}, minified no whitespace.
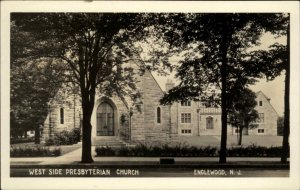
{"x":105,"y":151}
{"x":143,"y":150}
{"x":34,"y":151}
{"x":182,"y":150}
{"x":76,"y":133}
{"x":254,"y":151}
{"x":123,"y":151}
{"x":65,"y":138}
{"x":21,"y":140}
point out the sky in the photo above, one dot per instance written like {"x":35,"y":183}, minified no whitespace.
{"x":272,"y":89}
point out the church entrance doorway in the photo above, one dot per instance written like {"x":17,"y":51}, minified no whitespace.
{"x":105,"y":120}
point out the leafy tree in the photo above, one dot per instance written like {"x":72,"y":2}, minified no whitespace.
{"x":95,"y":47}
{"x":32,"y":86}
{"x":279,"y":56}
{"x":242,"y":112}
{"x":218,"y":56}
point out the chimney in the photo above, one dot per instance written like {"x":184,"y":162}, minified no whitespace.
{"x":169,"y":85}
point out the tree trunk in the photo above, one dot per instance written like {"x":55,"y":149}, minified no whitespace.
{"x":240,"y":135}
{"x":25,"y":134}
{"x":86,"y":156}
{"x":37,"y":139}
{"x":88,"y":100}
{"x":223,"y":149}
{"x":226,"y":36}
{"x":286,"y":128}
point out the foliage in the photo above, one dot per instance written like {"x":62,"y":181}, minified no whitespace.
{"x":34,"y":82}
{"x":181,"y":150}
{"x":143,"y":150}
{"x":254,"y":151}
{"x":21,"y":140}
{"x":279,"y":55}
{"x":217,"y":59}
{"x":34,"y":151}
{"x":77,"y":134}
{"x":242,"y":111}
{"x":96,"y":50}
{"x":65,"y":138}
{"x":201,"y":42}
{"x":105,"y":151}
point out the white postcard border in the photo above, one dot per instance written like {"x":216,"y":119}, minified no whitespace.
{"x":291,"y":182}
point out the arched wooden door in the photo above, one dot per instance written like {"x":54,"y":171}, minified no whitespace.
{"x":105,"y":120}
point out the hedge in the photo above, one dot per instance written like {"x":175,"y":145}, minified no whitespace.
{"x":142,"y":150}
{"x":34,"y":151}
{"x":180,"y":150}
{"x":21,"y":140}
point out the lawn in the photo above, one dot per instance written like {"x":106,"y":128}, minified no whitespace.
{"x":266,"y":141}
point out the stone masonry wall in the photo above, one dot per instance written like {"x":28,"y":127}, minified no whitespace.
{"x":193,"y":125}
{"x":269,"y":125}
{"x":155,"y":131}
{"x":71,"y":105}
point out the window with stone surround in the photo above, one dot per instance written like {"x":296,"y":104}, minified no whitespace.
{"x":186,"y":118}
{"x":158,"y":115}
{"x":260,"y":103}
{"x":186,"y":103}
{"x":261,"y":130}
{"x":186,"y":131}
{"x":62,"y":116}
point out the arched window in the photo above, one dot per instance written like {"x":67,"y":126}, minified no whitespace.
{"x":158,"y":115}
{"x":62,"y":119}
{"x":209,"y":123}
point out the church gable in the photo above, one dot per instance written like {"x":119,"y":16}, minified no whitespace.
{"x":157,"y":117}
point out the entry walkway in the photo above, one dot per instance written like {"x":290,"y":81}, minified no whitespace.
{"x":74,"y":157}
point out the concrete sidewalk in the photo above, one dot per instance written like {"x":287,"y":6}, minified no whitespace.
{"x":74,"y":157}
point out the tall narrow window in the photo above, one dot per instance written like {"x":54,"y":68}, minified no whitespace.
{"x":158,"y":115}
{"x":209,"y":123}
{"x":260,"y":103}
{"x":62,"y":120}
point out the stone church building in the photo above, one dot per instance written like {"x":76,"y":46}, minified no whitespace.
{"x":120,"y":120}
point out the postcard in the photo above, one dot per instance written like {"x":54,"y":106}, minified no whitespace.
{"x":152,"y":95}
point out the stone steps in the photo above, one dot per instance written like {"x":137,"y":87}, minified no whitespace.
{"x":111,"y":142}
